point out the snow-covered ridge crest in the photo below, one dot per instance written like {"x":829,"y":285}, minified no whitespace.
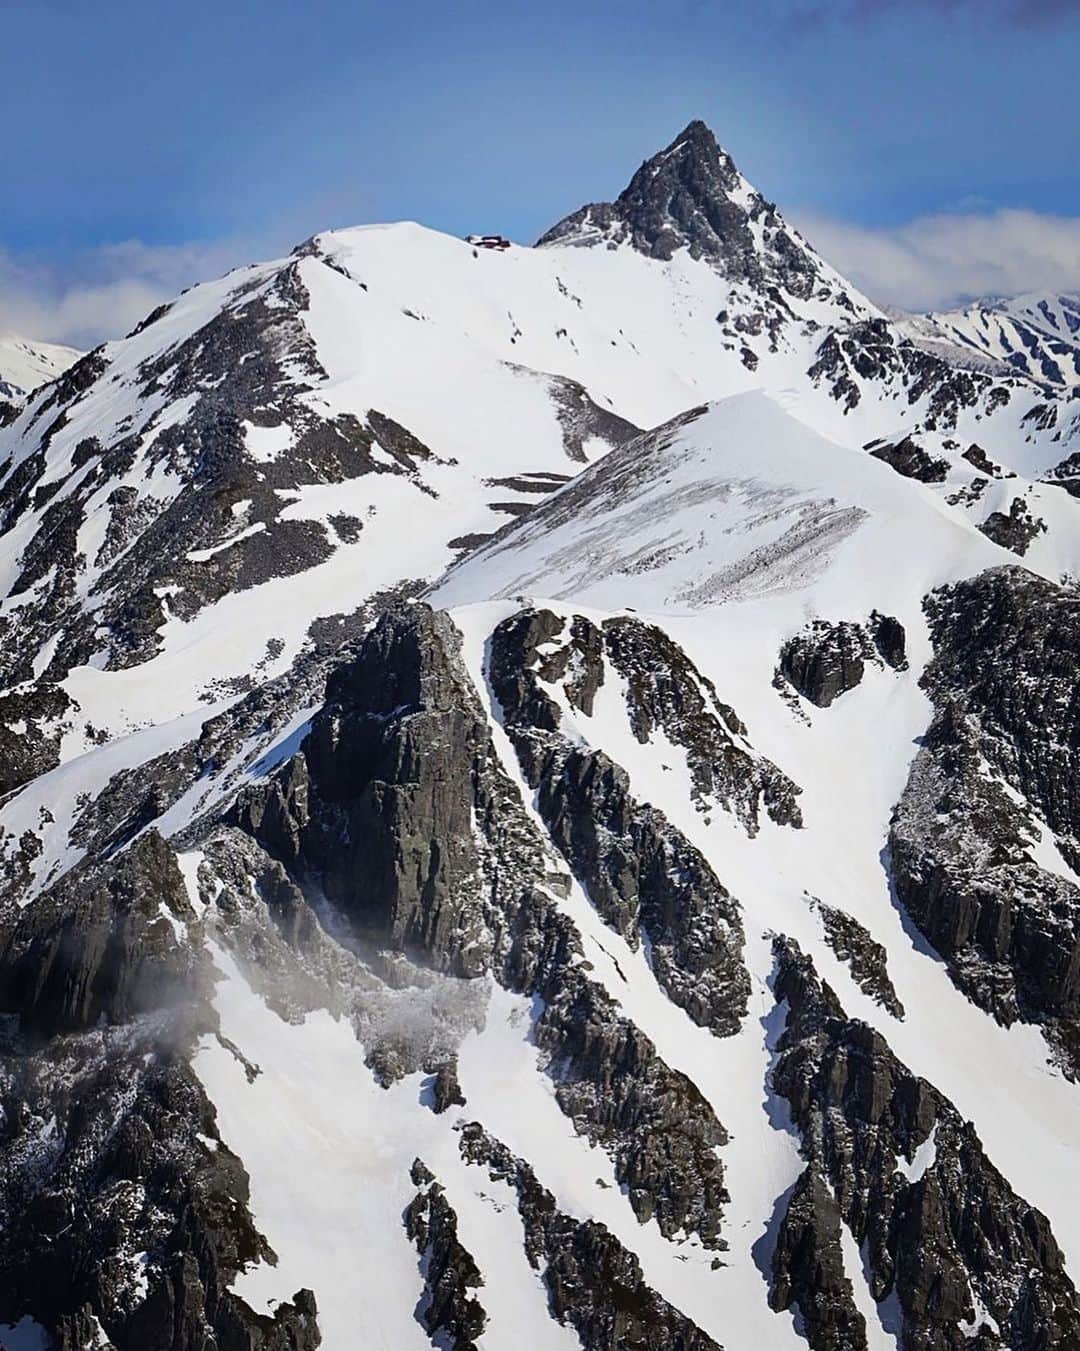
{"x":26,"y":364}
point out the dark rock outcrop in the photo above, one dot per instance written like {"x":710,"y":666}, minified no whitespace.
{"x":890,"y":640}
{"x":808,"y":1268}
{"x":31,"y":726}
{"x":938,"y":1225}
{"x":451,"y":1313}
{"x":377,"y":810}
{"x":978,"y":458}
{"x":594,"y":1284}
{"x":1003,"y":683}
{"x":446,"y":1090}
{"x":1066,"y":474}
{"x":1014,"y":530}
{"x":683,"y":198}
{"x":866,"y":959}
{"x":827,"y":659}
{"x":100,"y":948}
{"x":911,"y":460}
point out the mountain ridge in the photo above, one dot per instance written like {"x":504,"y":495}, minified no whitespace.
{"x":538,"y":790}
{"x":1035,"y":334}
{"x":24,"y":365}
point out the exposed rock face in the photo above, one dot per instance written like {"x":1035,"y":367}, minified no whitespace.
{"x":1015,"y":530}
{"x":31,"y":725}
{"x":937,"y":1223}
{"x":1000,"y":758}
{"x":867,"y":959}
{"x":684,"y":198}
{"x":828,"y":659}
{"x":378,"y":808}
{"x":453,"y":1316}
{"x":692,"y":196}
{"x":594,"y":1284}
{"x":665,"y":691}
{"x":1006,"y":647}
{"x":872,"y":350}
{"x":890,"y":640}
{"x":825,"y":661}
{"x":100,"y":947}
{"x":1067,"y":474}
{"x":446,"y":1090}
{"x":911,"y":460}
{"x":125,"y":1215}
{"x":808,"y":1268}
{"x":640,"y":873}
{"x":397,"y":811}
{"x":976,"y":456}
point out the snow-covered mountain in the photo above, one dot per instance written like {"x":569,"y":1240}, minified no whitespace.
{"x":540,"y":804}
{"x":24,"y":365}
{"x":1034,"y":335}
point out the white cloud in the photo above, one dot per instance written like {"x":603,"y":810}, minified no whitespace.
{"x":931,"y":262}
{"x":934,"y":262}
{"x":104,"y":292}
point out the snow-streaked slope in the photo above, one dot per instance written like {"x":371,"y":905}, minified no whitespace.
{"x":1037,"y":335}
{"x":647,"y":337}
{"x":738,"y":502}
{"x":25,"y":364}
{"x":732,"y":532}
{"x":509,"y":368}
{"x":466,"y":349}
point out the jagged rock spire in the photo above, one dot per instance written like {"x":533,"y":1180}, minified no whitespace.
{"x":691,"y":195}
{"x":681,"y":196}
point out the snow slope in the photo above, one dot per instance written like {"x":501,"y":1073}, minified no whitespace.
{"x":739,"y":502}
{"x":24,"y":364}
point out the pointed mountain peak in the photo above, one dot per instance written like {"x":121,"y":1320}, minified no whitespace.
{"x":691,"y":196}
{"x":696,"y":132}
{"x":696,"y":138}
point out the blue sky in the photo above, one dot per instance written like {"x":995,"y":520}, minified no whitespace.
{"x":148,"y":144}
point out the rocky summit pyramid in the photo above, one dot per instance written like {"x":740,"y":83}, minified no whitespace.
{"x":541,"y":807}
{"x":691,"y":196}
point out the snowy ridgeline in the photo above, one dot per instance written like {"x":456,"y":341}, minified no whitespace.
{"x":24,"y":365}
{"x":536,"y":786}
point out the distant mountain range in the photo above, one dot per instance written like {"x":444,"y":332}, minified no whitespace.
{"x":540,"y":804}
{"x":1033,"y":335}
